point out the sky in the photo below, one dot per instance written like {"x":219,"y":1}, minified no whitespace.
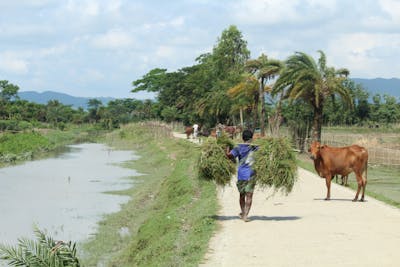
{"x":95,"y":48}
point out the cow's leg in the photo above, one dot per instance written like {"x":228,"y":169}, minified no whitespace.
{"x":364,"y":184}
{"x":328,"y":187}
{"x":359,"y":185}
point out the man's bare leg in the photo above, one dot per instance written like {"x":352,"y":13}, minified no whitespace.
{"x":247,"y":206}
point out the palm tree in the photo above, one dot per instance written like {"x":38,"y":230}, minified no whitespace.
{"x":245,"y":94}
{"x":264,"y":69}
{"x":313,"y":82}
{"x":214,"y":104}
{"x":44,"y":251}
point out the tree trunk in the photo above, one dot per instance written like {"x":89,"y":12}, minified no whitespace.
{"x":262,"y":101}
{"x":317,"y":124}
{"x":241,"y":117}
{"x":255,"y":112}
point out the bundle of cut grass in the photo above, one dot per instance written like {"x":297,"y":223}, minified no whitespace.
{"x":275,"y":164}
{"x":213,"y":163}
{"x":224,"y":141}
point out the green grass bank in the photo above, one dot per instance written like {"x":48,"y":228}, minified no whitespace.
{"x":38,"y":143}
{"x":169,"y":219}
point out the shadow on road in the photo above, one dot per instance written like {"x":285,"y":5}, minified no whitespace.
{"x":338,"y":199}
{"x":257,"y":218}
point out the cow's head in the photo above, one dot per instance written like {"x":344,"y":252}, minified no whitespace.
{"x":314,"y":149}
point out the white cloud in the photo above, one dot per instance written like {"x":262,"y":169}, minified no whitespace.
{"x":175,"y":22}
{"x":83,"y":7}
{"x":113,"y":39}
{"x":366,"y":54}
{"x":265,"y":11}
{"x":269,"y":12}
{"x":164,"y":51}
{"x":10,"y":63}
{"x":392,"y":7}
{"x":90,"y":75}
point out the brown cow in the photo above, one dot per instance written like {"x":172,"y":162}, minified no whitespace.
{"x":188,"y":131}
{"x":233,"y":131}
{"x":329,"y":161}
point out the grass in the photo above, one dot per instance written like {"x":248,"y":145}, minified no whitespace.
{"x":22,"y":146}
{"x":168,"y":221}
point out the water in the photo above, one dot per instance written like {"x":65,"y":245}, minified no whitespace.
{"x":64,"y":195}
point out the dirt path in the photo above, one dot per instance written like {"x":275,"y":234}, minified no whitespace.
{"x":302,"y":229}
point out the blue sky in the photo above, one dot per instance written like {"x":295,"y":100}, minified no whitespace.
{"x":97,"y":48}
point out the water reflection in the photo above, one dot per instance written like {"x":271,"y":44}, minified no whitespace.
{"x":63,"y":195}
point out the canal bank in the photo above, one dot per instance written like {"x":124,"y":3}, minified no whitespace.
{"x":169,"y":219}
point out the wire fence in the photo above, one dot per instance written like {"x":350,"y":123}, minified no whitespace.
{"x":382,"y":149}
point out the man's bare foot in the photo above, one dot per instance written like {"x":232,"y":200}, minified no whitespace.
{"x":245,"y":219}
{"x":241,"y":215}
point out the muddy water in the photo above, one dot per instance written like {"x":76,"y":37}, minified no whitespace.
{"x":64,"y":195}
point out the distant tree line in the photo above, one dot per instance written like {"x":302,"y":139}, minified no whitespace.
{"x":227,"y":86}
{"x":16,"y":114}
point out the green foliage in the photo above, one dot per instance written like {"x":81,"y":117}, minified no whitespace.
{"x":170,"y":114}
{"x":14,"y":125}
{"x":8,"y":91}
{"x":303,"y":78}
{"x":43,"y":252}
{"x":275,"y":164}
{"x":224,"y":141}
{"x":170,"y":213}
{"x":213,"y":163}
{"x":23,"y":142}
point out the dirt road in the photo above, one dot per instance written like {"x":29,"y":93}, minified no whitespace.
{"x":302,"y":229}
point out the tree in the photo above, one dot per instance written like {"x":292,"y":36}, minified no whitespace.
{"x":303,"y":78}
{"x":230,"y":54}
{"x":246,"y":96}
{"x":8,"y":91}
{"x":264,"y":69}
{"x":44,"y":251}
{"x":94,"y":106}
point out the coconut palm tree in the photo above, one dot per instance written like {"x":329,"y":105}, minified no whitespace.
{"x":264,"y":69}
{"x":245,"y":94}
{"x":313,"y":82}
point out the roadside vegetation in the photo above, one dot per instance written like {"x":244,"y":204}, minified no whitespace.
{"x":169,"y":220}
{"x":36,"y":143}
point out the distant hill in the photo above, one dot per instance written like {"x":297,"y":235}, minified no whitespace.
{"x":380,"y":86}
{"x":373,"y":86}
{"x":74,"y":101}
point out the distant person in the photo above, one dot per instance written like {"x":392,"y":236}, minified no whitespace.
{"x":219,"y":129}
{"x":195,"y":130}
{"x":245,"y":174}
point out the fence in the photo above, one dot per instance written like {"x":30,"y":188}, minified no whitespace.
{"x":382,"y":149}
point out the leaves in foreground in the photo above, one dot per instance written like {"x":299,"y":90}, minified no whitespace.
{"x":41,"y":252}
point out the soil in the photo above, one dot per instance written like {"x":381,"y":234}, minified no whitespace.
{"x":303,"y":229}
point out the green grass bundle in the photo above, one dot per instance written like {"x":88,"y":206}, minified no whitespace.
{"x":275,"y":164}
{"x":213,"y":163}
{"x":224,"y":141}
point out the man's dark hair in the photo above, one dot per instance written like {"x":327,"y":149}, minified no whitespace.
{"x":247,"y":135}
